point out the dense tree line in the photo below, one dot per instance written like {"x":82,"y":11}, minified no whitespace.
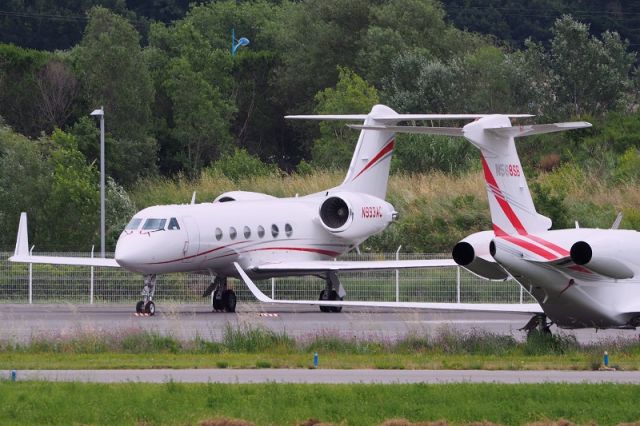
{"x":176,"y":101}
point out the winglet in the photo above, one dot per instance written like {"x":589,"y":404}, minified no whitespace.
{"x":252,"y":287}
{"x":22,"y":240}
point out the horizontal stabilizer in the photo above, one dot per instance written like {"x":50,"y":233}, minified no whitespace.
{"x":329,"y":265}
{"x":447,"y":131}
{"x":396,"y":118}
{"x":537,"y":129}
{"x":529,"y":308}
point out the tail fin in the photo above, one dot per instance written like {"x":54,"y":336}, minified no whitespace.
{"x":510,"y":202}
{"x":369,"y":169}
{"x":22,"y":239}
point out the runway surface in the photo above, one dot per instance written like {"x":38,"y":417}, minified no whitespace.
{"x":21,"y":322}
{"x":327,"y":376}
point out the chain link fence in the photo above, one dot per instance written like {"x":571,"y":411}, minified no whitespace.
{"x":23,"y":283}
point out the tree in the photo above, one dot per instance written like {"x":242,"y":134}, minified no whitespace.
{"x":352,"y":95}
{"x":113,"y":73}
{"x":200,"y":117}
{"x":590,"y":75}
{"x":58,"y":89}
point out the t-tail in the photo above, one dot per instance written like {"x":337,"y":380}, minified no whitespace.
{"x":510,"y":201}
{"x":369,"y":169}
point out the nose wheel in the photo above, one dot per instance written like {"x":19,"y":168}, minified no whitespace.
{"x":146,"y":306}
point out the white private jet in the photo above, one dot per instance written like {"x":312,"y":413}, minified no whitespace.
{"x":264,"y":235}
{"x":581,"y":278}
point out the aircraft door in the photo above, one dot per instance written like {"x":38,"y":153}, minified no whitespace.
{"x":191,"y":239}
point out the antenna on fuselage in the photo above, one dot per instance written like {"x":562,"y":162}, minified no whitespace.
{"x":193,"y":198}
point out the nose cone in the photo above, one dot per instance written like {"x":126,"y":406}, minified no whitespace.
{"x":127,"y":254}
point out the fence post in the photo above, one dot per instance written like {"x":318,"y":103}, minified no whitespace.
{"x":273,"y":288}
{"x":398,"y":275}
{"x":91,"y":288}
{"x":521,"y":291}
{"x":31,"y":278}
{"x":458,"y":284}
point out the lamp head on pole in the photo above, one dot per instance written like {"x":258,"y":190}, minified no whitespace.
{"x":98,"y":112}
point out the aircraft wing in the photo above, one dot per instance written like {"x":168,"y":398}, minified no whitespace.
{"x":22,"y":255}
{"x":525,"y":308}
{"x":336,"y":265}
{"x":61,"y":260}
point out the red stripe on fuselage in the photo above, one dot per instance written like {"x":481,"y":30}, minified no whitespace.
{"x":504,"y":205}
{"x":531,"y":247}
{"x":561,"y":251}
{"x":385,"y":150}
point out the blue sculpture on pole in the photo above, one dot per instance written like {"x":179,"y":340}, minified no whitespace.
{"x":236,"y":44}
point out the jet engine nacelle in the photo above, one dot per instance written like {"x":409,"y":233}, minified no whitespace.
{"x":242,"y":196}
{"x":355,"y":216}
{"x":601,"y":258}
{"x":474,"y":254}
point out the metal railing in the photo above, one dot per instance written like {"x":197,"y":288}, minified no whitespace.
{"x":25,"y":283}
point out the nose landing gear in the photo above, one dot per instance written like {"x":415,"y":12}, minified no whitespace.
{"x":146,"y":306}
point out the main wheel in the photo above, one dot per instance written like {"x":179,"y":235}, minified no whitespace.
{"x":218,"y":301}
{"x":229,"y":300}
{"x":333,"y":295}
{"x":140,"y":307}
{"x":150,"y":308}
{"x":325,"y":295}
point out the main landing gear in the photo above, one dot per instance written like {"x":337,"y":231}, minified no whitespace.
{"x":146,"y":306}
{"x":538,"y":326}
{"x":224,"y":299}
{"x":332,"y":291}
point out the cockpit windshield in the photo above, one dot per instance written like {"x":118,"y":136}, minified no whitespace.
{"x":154,"y":224}
{"x":133,"y":224}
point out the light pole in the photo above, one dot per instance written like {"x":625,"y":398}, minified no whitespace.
{"x":100,"y":112}
{"x":236,"y":44}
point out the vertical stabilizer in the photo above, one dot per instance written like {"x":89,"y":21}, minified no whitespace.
{"x":510,"y":202}
{"x":369,"y":168}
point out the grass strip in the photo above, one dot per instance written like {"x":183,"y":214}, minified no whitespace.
{"x":278,"y":404}
{"x":255,"y":347}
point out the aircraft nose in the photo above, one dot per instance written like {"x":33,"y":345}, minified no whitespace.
{"x":127,"y":255}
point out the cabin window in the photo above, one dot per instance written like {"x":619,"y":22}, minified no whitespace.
{"x":274,"y":231}
{"x":232,"y":233}
{"x":260,"y":231}
{"x":218,"y":234}
{"x":173,"y":224}
{"x":288,"y":230}
{"x":134,"y":224}
{"x":247,"y":232}
{"x":154,"y":224}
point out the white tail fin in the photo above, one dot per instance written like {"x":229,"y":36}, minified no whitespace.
{"x":369,"y":169}
{"x":510,"y":202}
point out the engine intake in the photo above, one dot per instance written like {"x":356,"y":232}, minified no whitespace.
{"x":334,"y":212}
{"x":604,"y":262}
{"x":474,"y":254}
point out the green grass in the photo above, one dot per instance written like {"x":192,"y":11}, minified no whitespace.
{"x":247,"y":346}
{"x":278,"y":404}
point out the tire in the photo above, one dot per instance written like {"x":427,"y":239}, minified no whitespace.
{"x":150,"y":308}
{"x":324,"y":295}
{"x":140,"y":307}
{"x":229,"y":300}
{"x":218,"y":302}
{"x":333,"y":295}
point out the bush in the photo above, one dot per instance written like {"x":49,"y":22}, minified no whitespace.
{"x":239,"y":164}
